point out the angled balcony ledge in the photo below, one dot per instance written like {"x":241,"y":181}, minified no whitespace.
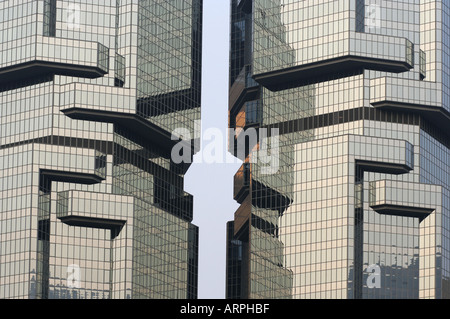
{"x":269,"y":198}
{"x":411,"y":93}
{"x":95,"y":210}
{"x":267,"y":227}
{"x":88,"y":168}
{"x":134,"y":123}
{"x":374,"y":153}
{"x":96,"y":98}
{"x":264,"y":196}
{"x":48,"y":55}
{"x":353,"y":53}
{"x":382,"y":167}
{"x":92,"y":222}
{"x":405,"y":199}
{"x":71,"y":176}
{"x":405,"y":211}
{"x":115,"y":105}
{"x":423,"y":98}
{"x":379,"y":155}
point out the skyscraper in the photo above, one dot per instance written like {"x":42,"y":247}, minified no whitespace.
{"x":355,"y":95}
{"x":91,"y":204}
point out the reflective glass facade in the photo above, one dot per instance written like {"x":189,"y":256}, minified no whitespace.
{"x":91,"y":204}
{"x":359,"y":206}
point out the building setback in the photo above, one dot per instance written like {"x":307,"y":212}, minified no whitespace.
{"x":91,"y":204}
{"x":359,"y":93}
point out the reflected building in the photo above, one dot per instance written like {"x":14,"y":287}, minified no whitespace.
{"x":92,"y":205}
{"x":354,"y":96}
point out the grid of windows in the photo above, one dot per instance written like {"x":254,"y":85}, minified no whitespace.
{"x":294,"y":33}
{"x":313,"y":232}
{"x":168,"y":73}
{"x":91,"y":208}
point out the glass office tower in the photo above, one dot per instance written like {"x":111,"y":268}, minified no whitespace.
{"x":91,"y":204}
{"x":356,"y":95}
